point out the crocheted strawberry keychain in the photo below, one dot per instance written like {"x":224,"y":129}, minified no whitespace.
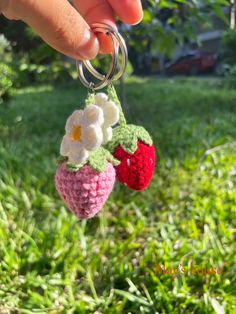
{"x":133,"y":147}
{"x":94,"y":153}
{"x":86,"y":178}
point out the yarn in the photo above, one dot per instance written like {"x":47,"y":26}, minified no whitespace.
{"x":86,"y":178}
{"x":85,"y":191}
{"x":127,"y":136}
{"x":135,"y":170}
{"x":97,"y":160}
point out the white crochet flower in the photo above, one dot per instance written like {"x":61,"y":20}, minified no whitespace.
{"x":111,"y":115}
{"x":83,"y":134}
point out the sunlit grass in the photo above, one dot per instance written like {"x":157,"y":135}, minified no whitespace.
{"x":51,"y":263}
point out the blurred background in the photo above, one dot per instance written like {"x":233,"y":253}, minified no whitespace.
{"x":180,"y":85}
{"x":175,"y":38}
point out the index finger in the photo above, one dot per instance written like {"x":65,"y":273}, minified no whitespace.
{"x":128,"y":11}
{"x":103,"y":11}
{"x":59,"y":24}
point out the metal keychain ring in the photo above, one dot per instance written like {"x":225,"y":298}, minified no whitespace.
{"x":118,"y":43}
{"x":98,"y":27}
{"x":104,"y":79}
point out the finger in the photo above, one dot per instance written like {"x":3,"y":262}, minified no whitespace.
{"x":60,"y":25}
{"x":95,"y":11}
{"x":3,"y":5}
{"x":128,"y":11}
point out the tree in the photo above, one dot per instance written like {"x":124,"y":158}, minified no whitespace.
{"x":167,"y":23}
{"x":232,"y":14}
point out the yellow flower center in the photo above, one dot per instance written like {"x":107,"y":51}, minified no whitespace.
{"x":75,"y":134}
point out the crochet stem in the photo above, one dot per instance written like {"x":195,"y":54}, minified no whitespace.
{"x":113,"y":96}
{"x":90,"y":99}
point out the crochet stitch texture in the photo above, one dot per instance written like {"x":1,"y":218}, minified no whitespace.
{"x":135,"y":170}
{"x":86,"y":190}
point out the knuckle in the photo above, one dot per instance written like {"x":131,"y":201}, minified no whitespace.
{"x":60,"y":33}
{"x":65,"y":34}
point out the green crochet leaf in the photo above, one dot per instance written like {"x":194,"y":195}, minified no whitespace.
{"x":127,"y":136}
{"x":143,"y":135}
{"x":74,"y":168}
{"x":112,"y":95}
{"x":97,"y":160}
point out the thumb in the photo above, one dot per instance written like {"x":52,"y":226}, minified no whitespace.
{"x":59,"y":24}
{"x":3,"y":5}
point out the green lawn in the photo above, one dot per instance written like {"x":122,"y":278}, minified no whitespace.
{"x":52,"y":263}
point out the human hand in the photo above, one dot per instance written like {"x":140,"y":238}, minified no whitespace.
{"x":66,"y":27}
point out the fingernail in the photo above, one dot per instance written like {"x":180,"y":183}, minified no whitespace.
{"x":86,"y":37}
{"x":88,"y":47}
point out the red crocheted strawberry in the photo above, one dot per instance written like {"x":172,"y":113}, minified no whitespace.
{"x":133,"y":147}
{"x":135,"y":170}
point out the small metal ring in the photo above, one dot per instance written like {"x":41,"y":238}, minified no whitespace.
{"x":122,"y":46}
{"x":118,"y":43}
{"x":104,"y":79}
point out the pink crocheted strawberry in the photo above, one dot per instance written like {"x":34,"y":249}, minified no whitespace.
{"x":133,"y":147}
{"x":85,"y":191}
{"x":85,"y":180}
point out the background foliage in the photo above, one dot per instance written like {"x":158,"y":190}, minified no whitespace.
{"x":170,"y":22}
{"x":229,"y":47}
{"x":166,"y":23}
{"x":7,"y":74}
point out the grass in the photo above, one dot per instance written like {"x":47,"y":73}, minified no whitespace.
{"x":51,"y":263}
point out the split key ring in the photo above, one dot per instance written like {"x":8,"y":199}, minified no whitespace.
{"x":115,"y":71}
